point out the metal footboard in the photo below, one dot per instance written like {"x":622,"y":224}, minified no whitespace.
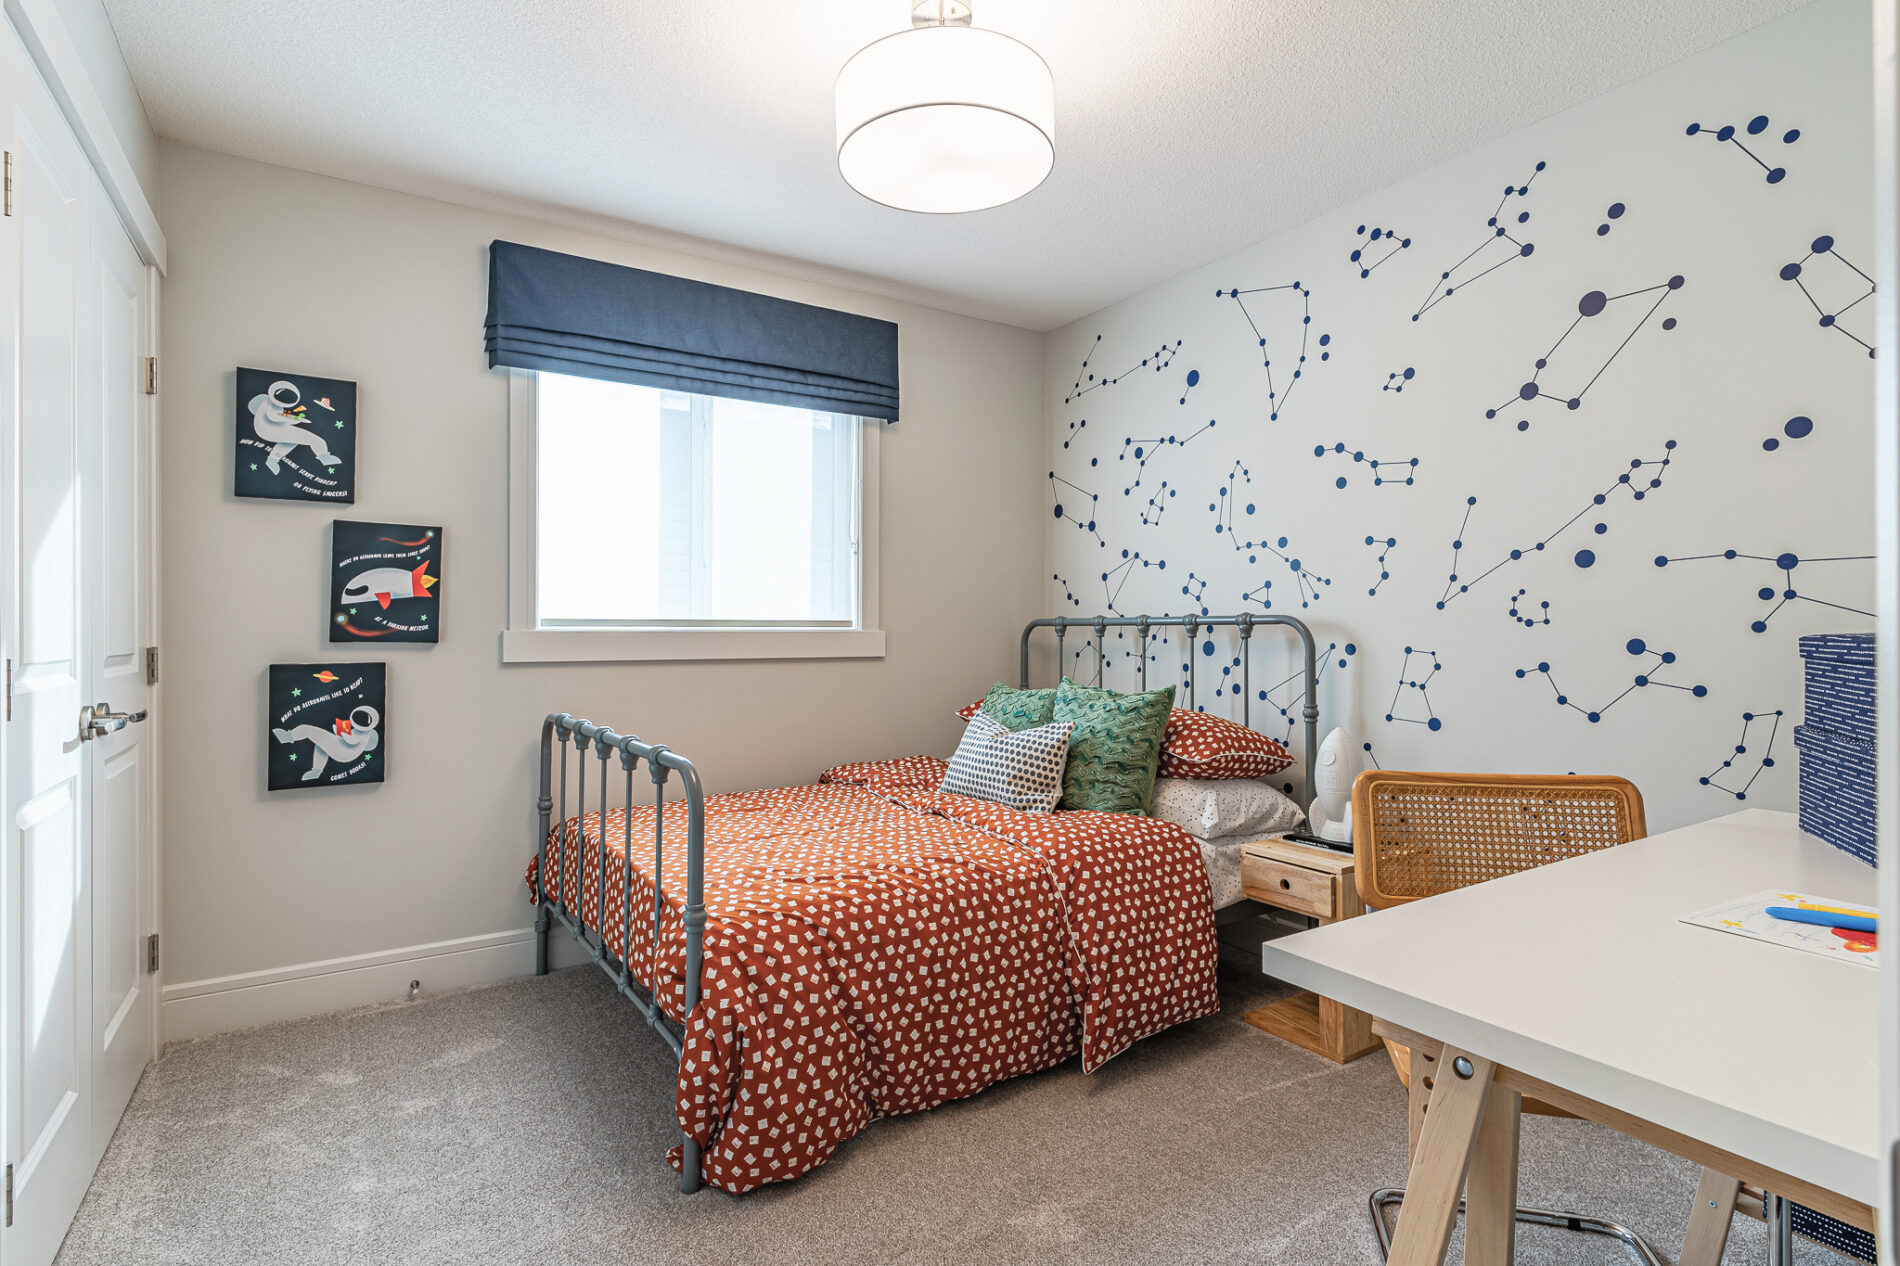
{"x":584,"y":738}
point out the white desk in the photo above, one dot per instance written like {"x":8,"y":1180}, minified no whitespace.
{"x":1580,"y":975}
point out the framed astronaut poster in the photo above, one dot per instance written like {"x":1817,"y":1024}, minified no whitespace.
{"x":296,"y":437}
{"x":385,"y":582}
{"x":327,"y":723}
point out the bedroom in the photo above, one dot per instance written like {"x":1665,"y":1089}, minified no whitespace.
{"x":1542,"y":400}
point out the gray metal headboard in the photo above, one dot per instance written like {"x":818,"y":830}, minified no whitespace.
{"x":1246,"y":622}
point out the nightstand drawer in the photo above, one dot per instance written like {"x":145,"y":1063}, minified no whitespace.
{"x":1289,"y":887}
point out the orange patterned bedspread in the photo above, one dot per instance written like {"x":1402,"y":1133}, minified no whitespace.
{"x":873,"y":947}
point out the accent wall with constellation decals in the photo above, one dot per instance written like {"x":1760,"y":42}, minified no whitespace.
{"x":1585,"y":439}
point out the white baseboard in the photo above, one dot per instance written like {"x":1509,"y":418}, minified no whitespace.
{"x":195,"y":1008}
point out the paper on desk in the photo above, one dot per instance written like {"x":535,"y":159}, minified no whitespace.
{"x":1749,"y":917}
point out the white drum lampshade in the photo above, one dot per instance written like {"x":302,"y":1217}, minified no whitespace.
{"x":945,"y":117}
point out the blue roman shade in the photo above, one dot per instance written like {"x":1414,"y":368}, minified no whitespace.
{"x":578,"y":316}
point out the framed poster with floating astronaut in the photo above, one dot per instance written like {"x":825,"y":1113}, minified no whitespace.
{"x":327,"y":723}
{"x":296,"y":437}
{"x":385,"y":582}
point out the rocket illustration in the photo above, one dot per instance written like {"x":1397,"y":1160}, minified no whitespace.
{"x":386,"y":584}
{"x":347,"y":739}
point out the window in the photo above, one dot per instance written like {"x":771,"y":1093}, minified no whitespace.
{"x":659,"y":524}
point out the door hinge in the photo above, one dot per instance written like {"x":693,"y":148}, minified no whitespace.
{"x":9,"y":182}
{"x":151,"y":665}
{"x":151,"y":375}
{"x":151,"y":953}
{"x":9,"y":1195}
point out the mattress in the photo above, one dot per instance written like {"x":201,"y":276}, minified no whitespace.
{"x":1221,"y":857}
{"x":874,"y":947}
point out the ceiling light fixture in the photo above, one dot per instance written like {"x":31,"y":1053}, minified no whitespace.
{"x":945,"y":117}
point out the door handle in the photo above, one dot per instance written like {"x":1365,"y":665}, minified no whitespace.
{"x":99,"y":720}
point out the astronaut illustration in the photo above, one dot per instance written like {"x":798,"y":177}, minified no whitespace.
{"x":278,"y":416}
{"x":348,"y":740}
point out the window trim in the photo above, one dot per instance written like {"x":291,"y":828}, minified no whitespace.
{"x":524,"y":641}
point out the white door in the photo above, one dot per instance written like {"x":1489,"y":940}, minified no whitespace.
{"x":76,"y":871}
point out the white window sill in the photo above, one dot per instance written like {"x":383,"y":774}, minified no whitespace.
{"x":569,"y":646}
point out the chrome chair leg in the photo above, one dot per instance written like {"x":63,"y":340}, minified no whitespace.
{"x":1778,"y":1216}
{"x":1388,"y":1196}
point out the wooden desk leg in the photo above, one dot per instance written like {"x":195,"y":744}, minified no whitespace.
{"x":1491,"y":1188}
{"x":1421,"y":1074}
{"x":1709,"y":1220}
{"x":1460,"y":1091}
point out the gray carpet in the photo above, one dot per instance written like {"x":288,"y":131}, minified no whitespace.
{"x":526,"y":1122}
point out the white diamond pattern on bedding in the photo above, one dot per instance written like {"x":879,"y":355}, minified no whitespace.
{"x":1021,"y":770}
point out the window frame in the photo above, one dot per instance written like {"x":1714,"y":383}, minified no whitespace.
{"x":525,"y":640}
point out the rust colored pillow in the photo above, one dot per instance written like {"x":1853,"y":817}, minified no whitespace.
{"x":1200,"y":745}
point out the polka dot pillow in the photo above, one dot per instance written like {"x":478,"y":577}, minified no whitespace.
{"x":1021,"y":769}
{"x":1201,"y":745}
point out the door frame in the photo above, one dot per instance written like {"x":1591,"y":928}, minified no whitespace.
{"x":1886,"y":165}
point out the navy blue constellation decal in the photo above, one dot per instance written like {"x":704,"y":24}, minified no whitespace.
{"x":1499,"y":247}
{"x":1642,"y":478}
{"x":1195,"y":589}
{"x":1142,"y":451}
{"x":1763,"y":762}
{"x":1193,"y":381}
{"x":1086,"y":380}
{"x":1068,"y":594}
{"x":1151,"y":513}
{"x":1075,"y":431}
{"x":1522,"y":613}
{"x":1785,"y":593}
{"x":1309,"y":582}
{"x":1385,"y":545}
{"x":1591,"y":305}
{"x":1115,"y":579}
{"x":1375,"y":246}
{"x":1614,"y":213}
{"x":1383,"y":471}
{"x":1085,"y":525}
{"x":1276,"y":399}
{"x":1644,"y":678}
{"x":1418,"y":683}
{"x":1756,"y":126}
{"x":1396,"y":380}
{"x":1287,"y":694}
{"x":1798,"y":273}
{"x":1796,"y":428}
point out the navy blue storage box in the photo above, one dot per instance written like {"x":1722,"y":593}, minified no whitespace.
{"x":1837,"y":790}
{"x":1836,"y":742}
{"x":1840,"y":683}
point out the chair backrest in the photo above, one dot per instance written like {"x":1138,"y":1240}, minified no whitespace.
{"x":1419,"y":834}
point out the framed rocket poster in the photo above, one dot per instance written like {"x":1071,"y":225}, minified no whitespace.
{"x":296,"y":437}
{"x":327,"y":724}
{"x":385,"y":582}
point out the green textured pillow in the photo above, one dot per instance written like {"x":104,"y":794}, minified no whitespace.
{"x":1114,"y":748}
{"x":1020,"y":709}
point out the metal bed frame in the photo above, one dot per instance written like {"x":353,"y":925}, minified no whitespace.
{"x":561,"y":731}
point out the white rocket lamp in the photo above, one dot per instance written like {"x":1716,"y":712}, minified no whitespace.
{"x":945,"y":117}
{"x":1334,"y":768}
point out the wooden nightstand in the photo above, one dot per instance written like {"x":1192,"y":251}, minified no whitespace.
{"x":1319,"y":882}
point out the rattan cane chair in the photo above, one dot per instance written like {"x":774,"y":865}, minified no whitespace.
{"x":1417,"y":835}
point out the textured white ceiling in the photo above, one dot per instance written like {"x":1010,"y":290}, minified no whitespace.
{"x":1186,"y":129}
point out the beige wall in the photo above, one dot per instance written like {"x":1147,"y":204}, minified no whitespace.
{"x":281,"y":269}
